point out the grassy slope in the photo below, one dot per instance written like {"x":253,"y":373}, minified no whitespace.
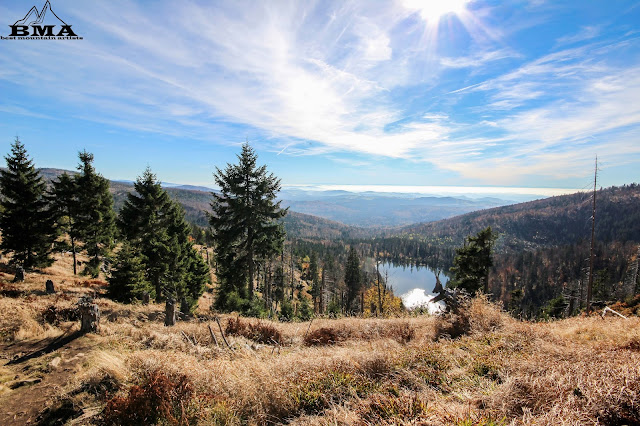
{"x":576,"y":371}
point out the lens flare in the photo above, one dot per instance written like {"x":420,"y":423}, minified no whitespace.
{"x":434,"y":10}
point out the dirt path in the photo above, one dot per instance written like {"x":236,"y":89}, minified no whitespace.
{"x":39,"y":370}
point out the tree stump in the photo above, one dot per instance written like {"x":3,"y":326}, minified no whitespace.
{"x":49,"y":287}
{"x":145,"y":298}
{"x":19,"y":274}
{"x":89,"y":315}
{"x":170,"y":312}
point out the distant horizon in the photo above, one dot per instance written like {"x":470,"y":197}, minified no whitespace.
{"x":436,"y":189}
{"x":390,"y":188}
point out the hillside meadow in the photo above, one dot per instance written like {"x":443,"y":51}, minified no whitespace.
{"x":479,"y":368}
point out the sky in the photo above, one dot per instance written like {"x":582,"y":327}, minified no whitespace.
{"x":396,"y":92}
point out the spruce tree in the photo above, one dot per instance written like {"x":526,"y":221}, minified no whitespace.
{"x":246,"y":224}
{"x":473,"y":261}
{"x":27,"y":224}
{"x":127,"y":280}
{"x":95,"y":216}
{"x":64,"y":199}
{"x":143,"y":222}
{"x":155,"y":224}
{"x":352,"y":277}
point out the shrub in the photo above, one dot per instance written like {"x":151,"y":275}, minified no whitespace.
{"x":452,"y":324}
{"x":53,"y":315}
{"x":305,"y":312}
{"x":401,"y":332}
{"x":260,"y":332}
{"x":257,"y":309}
{"x":286,"y":310}
{"x":158,"y":398}
{"x":324,"y":336}
{"x":474,"y":316}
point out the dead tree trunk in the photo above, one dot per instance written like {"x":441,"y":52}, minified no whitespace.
{"x":19,"y":274}
{"x":170,"y":312}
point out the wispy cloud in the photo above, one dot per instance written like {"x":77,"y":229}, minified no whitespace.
{"x":330,"y":78}
{"x":478,"y":59}
{"x":585,"y":33}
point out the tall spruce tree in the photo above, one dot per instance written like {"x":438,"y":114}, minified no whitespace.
{"x":64,"y":199}
{"x":95,"y":219}
{"x":155,"y":224}
{"x":26,"y":222}
{"x":245,"y":224}
{"x":352,"y":278}
{"x":473,"y":261}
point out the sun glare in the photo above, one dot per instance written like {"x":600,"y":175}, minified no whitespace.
{"x":436,"y":9}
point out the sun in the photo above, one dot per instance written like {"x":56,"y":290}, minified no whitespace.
{"x":434,"y":10}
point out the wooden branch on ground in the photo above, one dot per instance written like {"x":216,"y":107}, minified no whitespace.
{"x":222,"y":333}
{"x":308,"y":328}
{"x":604,"y":311}
{"x":187,"y":338}
{"x":213,"y":336}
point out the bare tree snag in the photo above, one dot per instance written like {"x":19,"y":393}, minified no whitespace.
{"x":170,"y":312}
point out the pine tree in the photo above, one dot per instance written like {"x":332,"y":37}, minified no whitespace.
{"x":473,"y":261}
{"x":155,"y":224}
{"x":245,"y":223}
{"x":95,"y":216}
{"x":26,"y":223}
{"x":127,"y":280}
{"x":64,"y":199}
{"x":352,"y":277}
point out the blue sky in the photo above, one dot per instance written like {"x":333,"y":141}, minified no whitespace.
{"x":404,"y":92}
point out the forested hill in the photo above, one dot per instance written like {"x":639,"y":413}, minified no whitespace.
{"x":194,"y":202}
{"x":300,"y":225}
{"x":196,"y":205}
{"x":548,"y":222}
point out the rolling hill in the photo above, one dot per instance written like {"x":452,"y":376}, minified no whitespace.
{"x":548,"y":222}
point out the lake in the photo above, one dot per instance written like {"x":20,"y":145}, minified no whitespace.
{"x":414,"y":285}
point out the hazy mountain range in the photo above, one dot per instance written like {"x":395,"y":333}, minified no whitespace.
{"x":356,"y":209}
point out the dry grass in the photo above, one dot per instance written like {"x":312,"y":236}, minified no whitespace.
{"x":481,"y":367}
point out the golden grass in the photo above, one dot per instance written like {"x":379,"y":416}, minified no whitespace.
{"x":414,"y":370}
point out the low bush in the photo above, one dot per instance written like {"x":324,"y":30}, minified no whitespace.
{"x":54,"y":315}
{"x":259,"y":332}
{"x":324,"y":336}
{"x":158,"y":398}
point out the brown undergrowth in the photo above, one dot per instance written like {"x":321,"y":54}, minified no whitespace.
{"x":477,"y":367}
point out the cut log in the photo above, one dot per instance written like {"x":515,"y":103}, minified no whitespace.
{"x":89,"y":315}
